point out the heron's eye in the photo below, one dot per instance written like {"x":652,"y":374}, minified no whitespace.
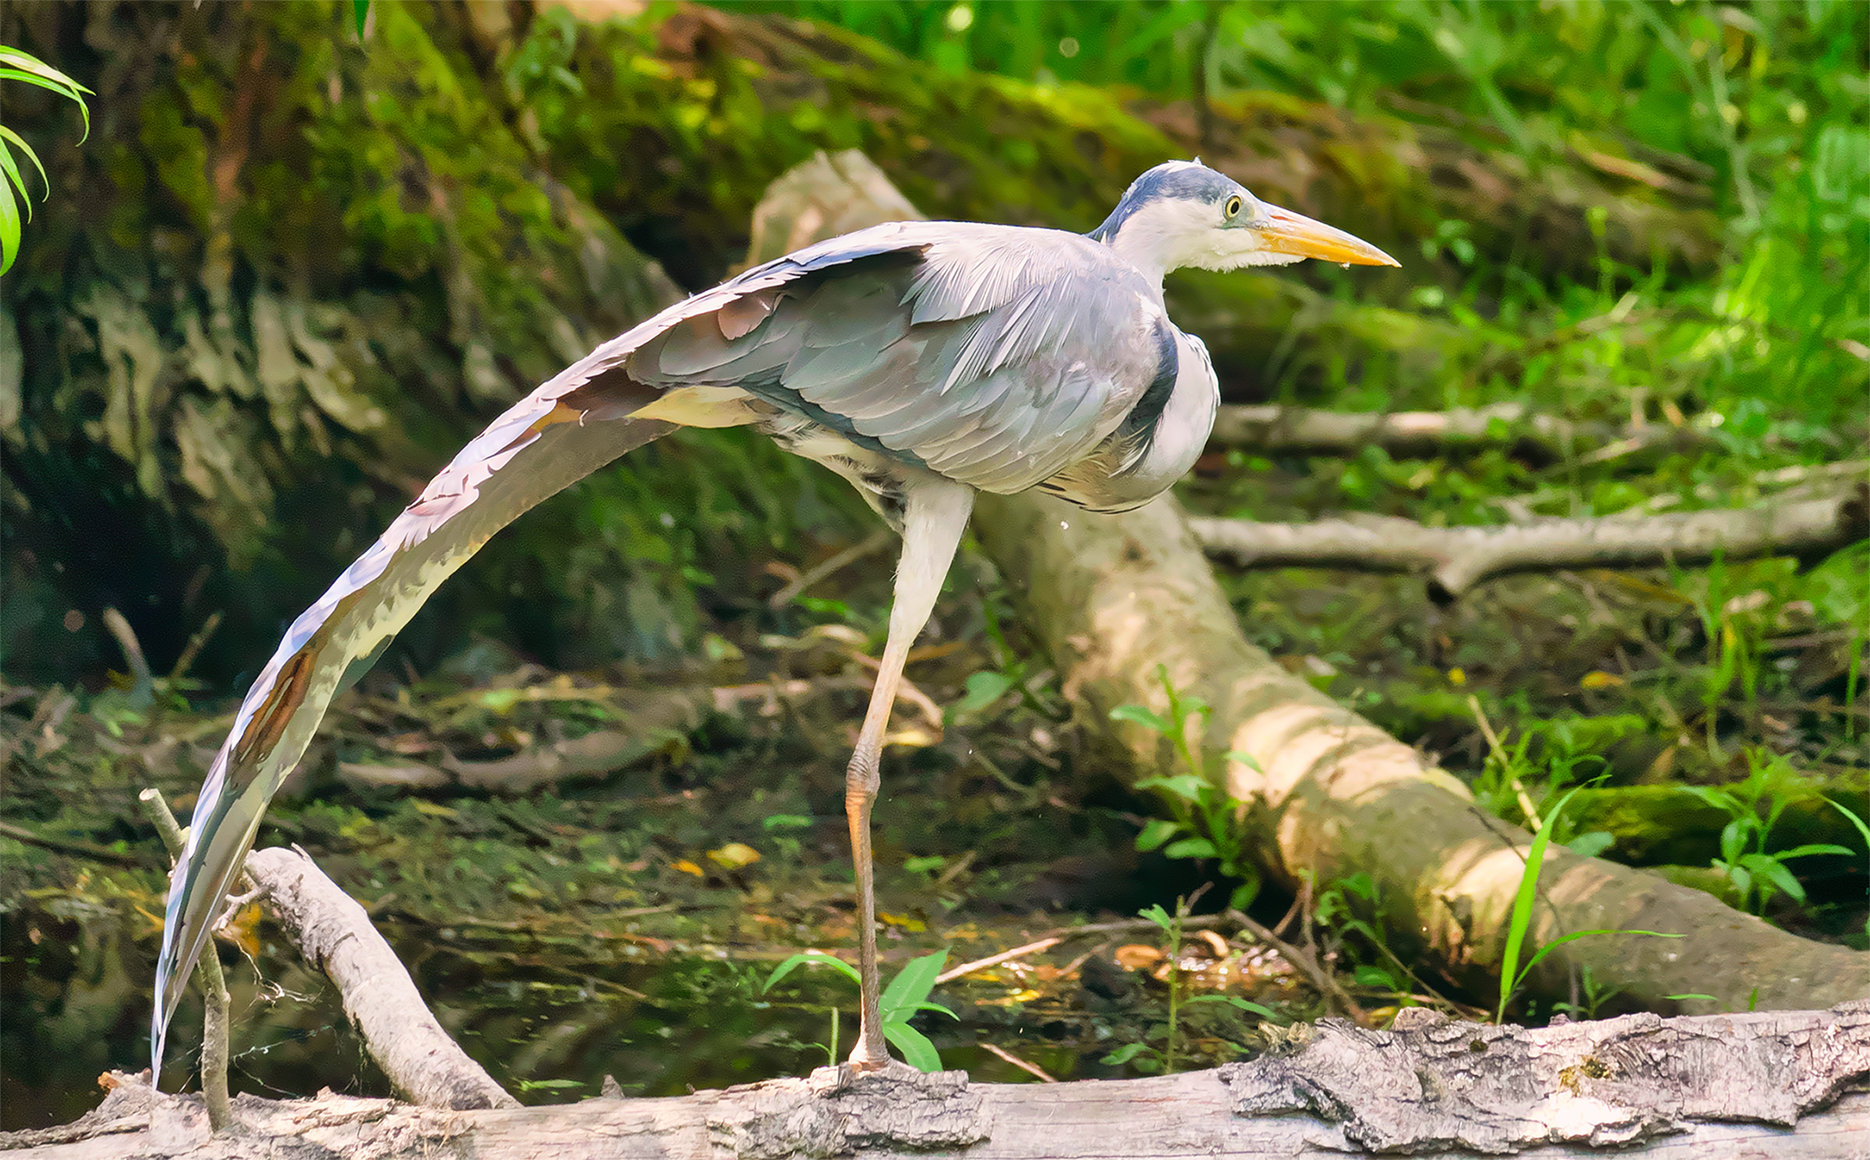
{"x":1233,"y":207}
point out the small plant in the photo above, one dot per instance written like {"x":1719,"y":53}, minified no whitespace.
{"x":1203,"y":823}
{"x":23,"y":66}
{"x":1757,"y":874}
{"x":906,"y":994}
{"x":1164,"y":1060}
{"x":1512,"y":974}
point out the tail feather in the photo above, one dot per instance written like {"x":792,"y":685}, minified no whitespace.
{"x":548,"y":441}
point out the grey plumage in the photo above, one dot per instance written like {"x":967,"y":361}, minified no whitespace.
{"x":921,"y":360}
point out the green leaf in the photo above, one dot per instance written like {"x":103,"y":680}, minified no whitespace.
{"x":983,"y":689}
{"x":1523,"y":900}
{"x":1246,"y":759}
{"x":1141,"y":716}
{"x":786,"y":822}
{"x":1186,"y":786}
{"x":1124,"y":1054}
{"x":1592,"y":844}
{"x":1811,"y":850}
{"x":538,"y":1085}
{"x":917,"y":1051}
{"x":1863,"y":828}
{"x":1369,"y":976}
{"x":1574,"y":936}
{"x":24,"y":66}
{"x":1190,"y":848}
{"x":1156,"y":831}
{"x":360,"y":11}
{"x":6,"y":161}
{"x":1686,"y":995}
{"x":9,"y":228}
{"x":1157,"y":915}
{"x":809,"y":958}
{"x":1775,"y":872}
{"x":911,"y":986}
{"x":1243,"y":1004}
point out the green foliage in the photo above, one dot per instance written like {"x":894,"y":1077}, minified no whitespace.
{"x":1143,"y":1055}
{"x":27,"y":69}
{"x":1204,"y":819}
{"x":1757,"y":872}
{"x":1519,"y":923}
{"x":905,"y":996}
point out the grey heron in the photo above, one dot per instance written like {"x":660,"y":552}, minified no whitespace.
{"x":922,"y":361}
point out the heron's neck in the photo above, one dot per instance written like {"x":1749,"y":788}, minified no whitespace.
{"x":1156,"y":237}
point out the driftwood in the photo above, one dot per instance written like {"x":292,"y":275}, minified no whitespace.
{"x":1420,"y":434}
{"x":334,"y":934}
{"x":1708,"y":1086}
{"x":1457,"y":559}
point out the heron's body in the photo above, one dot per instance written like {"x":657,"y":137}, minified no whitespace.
{"x":922,"y":361}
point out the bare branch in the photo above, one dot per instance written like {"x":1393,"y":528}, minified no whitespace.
{"x":1457,"y":559}
{"x":335,"y":935}
{"x":1420,"y":434}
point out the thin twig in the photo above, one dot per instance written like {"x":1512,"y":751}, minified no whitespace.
{"x":1303,"y":960}
{"x":1499,"y":754}
{"x":194,"y":646}
{"x":1029,"y":1068}
{"x":213,"y":984}
{"x":995,"y":960}
{"x":874,"y":542}
{"x":69,"y":845}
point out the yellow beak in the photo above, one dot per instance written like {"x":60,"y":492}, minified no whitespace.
{"x":1285,"y":232}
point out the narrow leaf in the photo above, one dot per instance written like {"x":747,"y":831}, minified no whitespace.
{"x":809,"y":958}
{"x":917,"y":1051}
{"x":1140,"y":716}
{"x":911,"y":986}
{"x":1155,"y":832}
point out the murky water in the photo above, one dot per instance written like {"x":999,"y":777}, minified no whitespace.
{"x":547,"y":1023}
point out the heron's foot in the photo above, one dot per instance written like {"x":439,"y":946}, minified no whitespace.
{"x":869,"y":1056}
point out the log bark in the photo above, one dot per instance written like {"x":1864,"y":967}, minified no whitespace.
{"x":335,"y":935}
{"x":1458,"y":559}
{"x":1710,"y":1086}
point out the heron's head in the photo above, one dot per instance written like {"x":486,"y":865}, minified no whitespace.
{"x":1181,"y":213}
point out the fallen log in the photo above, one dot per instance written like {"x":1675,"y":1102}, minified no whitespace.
{"x":1458,"y":559}
{"x":1115,"y":597}
{"x":1709,"y":1086}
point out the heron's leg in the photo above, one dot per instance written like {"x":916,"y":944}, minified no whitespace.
{"x":935,"y":513}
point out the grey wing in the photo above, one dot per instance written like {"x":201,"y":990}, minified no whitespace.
{"x":992,"y":355}
{"x":584,"y":418}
